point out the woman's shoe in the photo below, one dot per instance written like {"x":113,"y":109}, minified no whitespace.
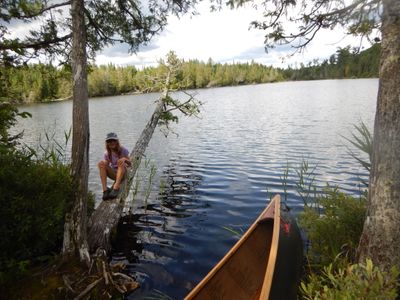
{"x":106,"y":194}
{"x":113,"y":194}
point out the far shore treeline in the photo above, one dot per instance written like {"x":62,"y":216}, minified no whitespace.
{"x":42,"y":83}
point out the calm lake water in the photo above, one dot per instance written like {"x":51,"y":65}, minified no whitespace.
{"x":220,"y":169}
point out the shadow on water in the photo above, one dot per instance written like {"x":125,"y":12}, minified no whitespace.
{"x":153,"y":240}
{"x":221,"y":169}
{"x":171,"y":242}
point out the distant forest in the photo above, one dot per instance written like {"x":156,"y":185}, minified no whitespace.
{"x":41,"y":83}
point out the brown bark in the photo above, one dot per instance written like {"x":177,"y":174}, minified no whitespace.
{"x":380,"y":239}
{"x":75,"y":239}
{"x":106,"y":216}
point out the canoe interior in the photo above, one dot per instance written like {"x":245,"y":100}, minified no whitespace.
{"x":243,"y":273}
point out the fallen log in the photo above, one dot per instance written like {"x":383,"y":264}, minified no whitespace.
{"x":106,"y":216}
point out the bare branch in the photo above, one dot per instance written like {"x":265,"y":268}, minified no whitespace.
{"x":360,"y":17}
{"x":179,"y":106}
{"x":346,"y":10}
{"x":88,"y":289}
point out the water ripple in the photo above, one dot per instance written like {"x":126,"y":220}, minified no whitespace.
{"x":221,"y":169}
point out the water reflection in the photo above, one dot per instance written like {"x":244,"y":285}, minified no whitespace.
{"x":152,"y":239}
{"x":221,"y":168}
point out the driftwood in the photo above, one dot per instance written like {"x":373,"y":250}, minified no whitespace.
{"x":105,"y":218}
{"x":88,"y":289}
{"x":61,"y":99}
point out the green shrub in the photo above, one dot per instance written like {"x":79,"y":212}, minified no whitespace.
{"x":356,"y":281}
{"x":34,"y":197}
{"x":8,"y":116}
{"x":333,"y":226}
{"x":35,"y":193}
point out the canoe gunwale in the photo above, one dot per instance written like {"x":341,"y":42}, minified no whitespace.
{"x":273,"y":253}
{"x":271,"y":212}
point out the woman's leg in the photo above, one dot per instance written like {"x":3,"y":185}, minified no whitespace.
{"x":120,"y":174}
{"x":105,"y":171}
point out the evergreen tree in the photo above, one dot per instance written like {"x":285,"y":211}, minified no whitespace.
{"x":381,"y":238}
{"x":92,"y":25}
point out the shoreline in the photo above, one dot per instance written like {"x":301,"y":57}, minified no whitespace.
{"x":17,"y":103}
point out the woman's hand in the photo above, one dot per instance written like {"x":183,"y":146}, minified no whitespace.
{"x":124,"y":161}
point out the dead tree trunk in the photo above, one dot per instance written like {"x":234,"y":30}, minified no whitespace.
{"x":106,"y":216}
{"x":380,"y":239}
{"x":75,"y":239}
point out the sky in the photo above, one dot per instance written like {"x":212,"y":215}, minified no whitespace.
{"x":224,"y":37}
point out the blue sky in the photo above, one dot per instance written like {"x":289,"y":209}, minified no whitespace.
{"x":225,"y":37}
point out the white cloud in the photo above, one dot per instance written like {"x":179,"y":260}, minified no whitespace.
{"x":220,"y":35}
{"x":225,"y":37}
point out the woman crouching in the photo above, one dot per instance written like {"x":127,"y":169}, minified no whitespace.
{"x":113,"y":166}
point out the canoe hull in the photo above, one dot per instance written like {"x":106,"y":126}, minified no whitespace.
{"x":288,"y":265}
{"x":256,"y":265}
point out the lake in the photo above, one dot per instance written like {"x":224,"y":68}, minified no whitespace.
{"x":218,"y":170}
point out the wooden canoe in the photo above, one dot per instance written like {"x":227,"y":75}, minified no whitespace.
{"x":264,"y":264}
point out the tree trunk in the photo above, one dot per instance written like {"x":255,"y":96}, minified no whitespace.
{"x":107,"y":214}
{"x":75,"y":230}
{"x":380,"y":239}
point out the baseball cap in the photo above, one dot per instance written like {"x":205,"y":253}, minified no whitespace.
{"x":112,"y":136}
